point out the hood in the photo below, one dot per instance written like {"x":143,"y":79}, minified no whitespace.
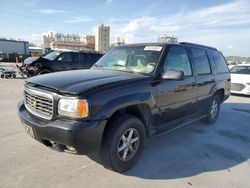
{"x":30,"y":60}
{"x":78,"y":81}
{"x":240,"y":78}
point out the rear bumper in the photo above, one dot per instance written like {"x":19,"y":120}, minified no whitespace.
{"x":85,"y":137}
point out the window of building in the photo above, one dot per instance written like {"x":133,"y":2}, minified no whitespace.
{"x":177,"y":59}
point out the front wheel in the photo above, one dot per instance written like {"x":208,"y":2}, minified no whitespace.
{"x":213,"y":110}
{"x":123,"y":143}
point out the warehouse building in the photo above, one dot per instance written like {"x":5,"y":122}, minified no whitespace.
{"x":14,"y":46}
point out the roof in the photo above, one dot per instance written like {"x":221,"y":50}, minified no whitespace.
{"x":11,"y":40}
{"x":167,"y":43}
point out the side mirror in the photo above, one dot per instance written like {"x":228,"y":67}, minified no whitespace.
{"x":59,"y":59}
{"x":173,"y":75}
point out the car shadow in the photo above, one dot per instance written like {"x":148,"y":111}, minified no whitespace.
{"x":198,"y":148}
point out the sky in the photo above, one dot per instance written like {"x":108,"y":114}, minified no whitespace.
{"x":224,"y":24}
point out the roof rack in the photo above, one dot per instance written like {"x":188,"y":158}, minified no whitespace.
{"x":198,"y":45}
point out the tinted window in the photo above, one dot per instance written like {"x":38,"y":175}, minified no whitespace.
{"x":65,"y":57}
{"x":201,"y":61}
{"x":87,"y":59}
{"x":75,"y":57}
{"x":240,"y":70}
{"x":177,"y":59}
{"x":219,"y":61}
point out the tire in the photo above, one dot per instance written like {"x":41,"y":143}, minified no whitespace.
{"x":14,"y":76}
{"x":213,"y":110}
{"x":2,"y":76}
{"x":116,"y":136}
{"x":44,"y":71}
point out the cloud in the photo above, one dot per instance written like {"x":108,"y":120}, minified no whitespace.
{"x":36,"y":39}
{"x":219,"y":26}
{"x":50,"y":11}
{"x":108,"y":1}
{"x":78,"y":19}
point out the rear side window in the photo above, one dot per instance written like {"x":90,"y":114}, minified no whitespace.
{"x":177,"y":59}
{"x":219,"y":62}
{"x":201,"y":61}
{"x":87,"y":59}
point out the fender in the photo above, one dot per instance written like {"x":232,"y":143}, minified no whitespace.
{"x":218,"y":85}
{"x":118,"y":103}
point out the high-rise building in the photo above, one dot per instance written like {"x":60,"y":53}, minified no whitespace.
{"x":119,"y":41}
{"x":102,"y":38}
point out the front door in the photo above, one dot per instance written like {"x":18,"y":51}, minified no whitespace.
{"x":177,"y":98}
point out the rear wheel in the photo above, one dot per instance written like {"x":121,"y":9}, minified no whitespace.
{"x":2,"y":76}
{"x":213,"y":110}
{"x":122,"y":143}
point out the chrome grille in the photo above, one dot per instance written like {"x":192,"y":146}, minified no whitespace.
{"x":237,"y":87}
{"x":38,"y":103}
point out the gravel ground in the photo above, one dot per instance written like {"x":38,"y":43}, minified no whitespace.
{"x":196,"y":156}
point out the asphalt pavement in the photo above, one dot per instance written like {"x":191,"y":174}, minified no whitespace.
{"x":199,"y":155}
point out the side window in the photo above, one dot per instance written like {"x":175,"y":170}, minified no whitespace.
{"x":65,"y":57}
{"x":86,"y":59}
{"x":219,"y":61}
{"x":177,"y":59}
{"x":75,"y":57}
{"x":201,"y":61}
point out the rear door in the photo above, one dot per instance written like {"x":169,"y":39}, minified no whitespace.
{"x":64,"y":61}
{"x":88,"y":59}
{"x":177,"y":98}
{"x":75,"y":63}
{"x":205,"y":77}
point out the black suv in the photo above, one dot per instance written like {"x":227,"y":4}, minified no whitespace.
{"x":60,"y":61}
{"x":132,"y":92}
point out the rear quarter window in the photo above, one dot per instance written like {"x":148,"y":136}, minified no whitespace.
{"x":219,"y":61}
{"x":201,"y":61}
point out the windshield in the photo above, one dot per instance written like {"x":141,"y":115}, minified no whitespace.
{"x":240,"y":70}
{"x":140,"y":59}
{"x":52,"y":55}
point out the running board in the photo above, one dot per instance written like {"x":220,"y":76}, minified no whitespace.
{"x":176,"y":124}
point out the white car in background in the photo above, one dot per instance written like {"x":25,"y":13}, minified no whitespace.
{"x":240,"y":79}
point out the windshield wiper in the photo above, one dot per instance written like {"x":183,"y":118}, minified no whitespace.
{"x":98,"y":66}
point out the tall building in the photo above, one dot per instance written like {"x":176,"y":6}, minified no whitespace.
{"x":119,"y":41}
{"x":165,"y":38}
{"x":102,"y":38}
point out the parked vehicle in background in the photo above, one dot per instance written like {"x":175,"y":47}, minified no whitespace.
{"x":240,"y":79}
{"x":60,"y":61}
{"x":133,"y":91}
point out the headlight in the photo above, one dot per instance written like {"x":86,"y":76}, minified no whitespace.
{"x":73,"y":107}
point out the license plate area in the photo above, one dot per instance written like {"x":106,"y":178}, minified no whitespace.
{"x":28,"y":129}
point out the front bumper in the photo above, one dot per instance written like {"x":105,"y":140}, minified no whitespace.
{"x":85,"y":137}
